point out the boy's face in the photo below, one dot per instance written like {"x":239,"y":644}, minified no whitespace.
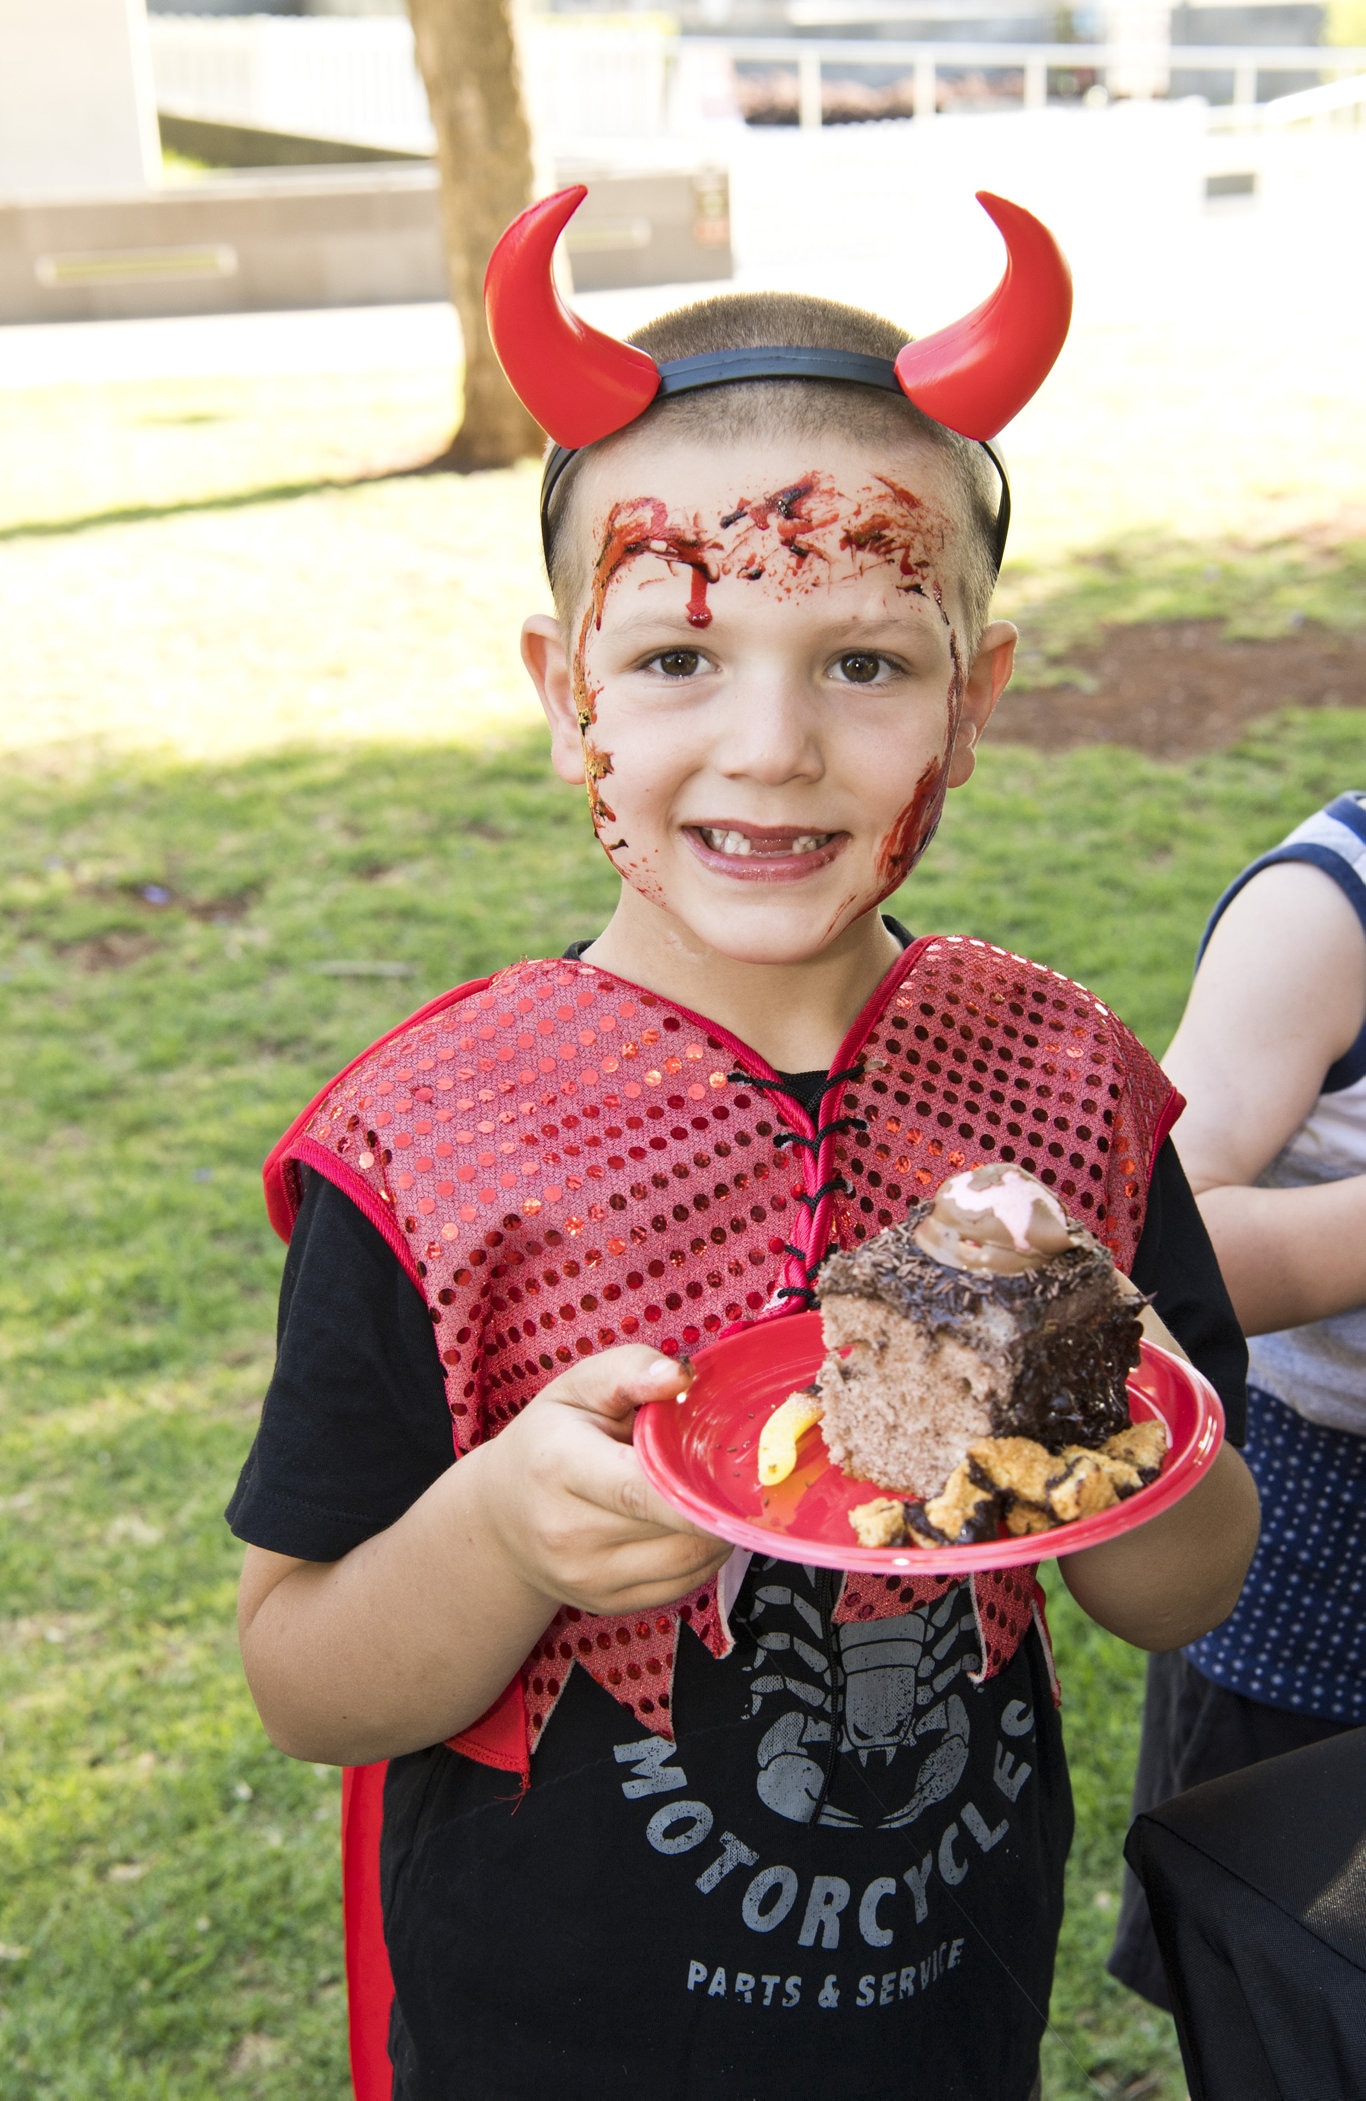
{"x":767,"y":687}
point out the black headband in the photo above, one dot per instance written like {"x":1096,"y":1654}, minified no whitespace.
{"x":719,"y":368}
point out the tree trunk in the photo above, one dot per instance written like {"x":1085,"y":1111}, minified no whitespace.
{"x":467,"y":55}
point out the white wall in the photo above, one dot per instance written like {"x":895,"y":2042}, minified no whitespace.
{"x":77,"y":111}
{"x":358,"y":79}
{"x":894,"y":202}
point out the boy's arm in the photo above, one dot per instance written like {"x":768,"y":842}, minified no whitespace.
{"x":411,"y":1636}
{"x":1169,"y":1581}
{"x":1279,"y":995}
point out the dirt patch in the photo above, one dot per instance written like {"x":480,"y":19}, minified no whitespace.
{"x":112,"y":951}
{"x":1172,"y":689}
{"x":158,"y":897}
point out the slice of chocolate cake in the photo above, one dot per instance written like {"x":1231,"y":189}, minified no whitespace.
{"x":987,"y":1314}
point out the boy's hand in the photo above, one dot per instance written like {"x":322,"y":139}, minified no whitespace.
{"x":413,"y":1635}
{"x":568,"y":1500}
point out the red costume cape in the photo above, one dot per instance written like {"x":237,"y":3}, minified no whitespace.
{"x":562,"y":1161}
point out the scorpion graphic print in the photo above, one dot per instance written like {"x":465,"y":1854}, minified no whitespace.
{"x":865,"y":1723}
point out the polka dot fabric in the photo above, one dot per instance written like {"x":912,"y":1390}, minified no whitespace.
{"x":569,"y":1168}
{"x":979,"y":1056}
{"x":1297,"y":1636}
{"x":564,"y":1162}
{"x":631,"y":1656}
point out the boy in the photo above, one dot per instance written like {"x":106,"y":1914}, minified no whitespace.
{"x":780,"y":1835}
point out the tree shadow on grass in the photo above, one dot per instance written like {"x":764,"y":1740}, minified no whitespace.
{"x":233,"y":500}
{"x":445,"y":462}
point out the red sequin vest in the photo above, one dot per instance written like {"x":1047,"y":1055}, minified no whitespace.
{"x":562,"y":1161}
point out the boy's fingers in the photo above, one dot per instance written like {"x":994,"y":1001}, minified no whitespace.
{"x":639,"y":1582}
{"x":615,"y":1483}
{"x":616,"y":1382}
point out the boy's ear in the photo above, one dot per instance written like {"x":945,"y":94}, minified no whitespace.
{"x":986,"y":681}
{"x":547,"y":662}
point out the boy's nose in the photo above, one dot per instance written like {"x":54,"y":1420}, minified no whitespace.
{"x":770,"y":732}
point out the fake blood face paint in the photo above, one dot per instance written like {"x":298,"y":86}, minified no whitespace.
{"x":639,"y":527}
{"x":919,"y":820}
{"x":788,"y":546}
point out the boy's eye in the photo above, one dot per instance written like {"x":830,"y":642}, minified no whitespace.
{"x":677,"y":663}
{"x":859,"y":667}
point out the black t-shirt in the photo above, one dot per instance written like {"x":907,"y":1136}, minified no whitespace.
{"x":710,"y":1918}
{"x":845,"y":1874}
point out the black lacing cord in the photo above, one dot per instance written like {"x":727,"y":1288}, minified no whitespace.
{"x":823,"y":1131}
{"x":799,"y":1291}
{"x":741,"y":1078}
{"x":812,"y":1197}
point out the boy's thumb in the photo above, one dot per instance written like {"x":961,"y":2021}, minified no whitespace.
{"x":619,"y":1381}
{"x":662,"y":1379}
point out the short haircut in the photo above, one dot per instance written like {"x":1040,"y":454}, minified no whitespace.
{"x":720,"y":416}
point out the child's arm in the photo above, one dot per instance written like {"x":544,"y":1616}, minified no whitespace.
{"x":1169,"y":1581}
{"x":411,"y":1636}
{"x":1172,"y":1579}
{"x":1280,"y":994}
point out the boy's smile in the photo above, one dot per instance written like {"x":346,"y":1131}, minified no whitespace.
{"x":767,"y":690}
{"x":774,"y":853}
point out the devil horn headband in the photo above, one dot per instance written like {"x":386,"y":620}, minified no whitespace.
{"x":582,"y":385}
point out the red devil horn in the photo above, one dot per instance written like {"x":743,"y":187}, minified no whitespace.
{"x":579,"y":384}
{"x":977,"y":374}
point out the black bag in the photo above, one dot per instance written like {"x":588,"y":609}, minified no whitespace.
{"x":1257,"y":1888}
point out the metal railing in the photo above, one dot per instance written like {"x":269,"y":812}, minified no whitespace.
{"x":1318,"y":105}
{"x":923,"y":63}
{"x":355,"y":78}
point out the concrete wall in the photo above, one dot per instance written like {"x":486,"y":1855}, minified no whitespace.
{"x":248,"y":146}
{"x":77,"y":109}
{"x":216,"y":247}
{"x":339,"y":237}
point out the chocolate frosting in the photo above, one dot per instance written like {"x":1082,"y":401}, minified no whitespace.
{"x":996,"y":1219}
{"x":1066,"y":1374}
{"x":893,"y":1266}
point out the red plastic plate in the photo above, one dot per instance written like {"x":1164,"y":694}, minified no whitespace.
{"x":701,"y":1454}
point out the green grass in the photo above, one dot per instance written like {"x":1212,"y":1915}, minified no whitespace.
{"x":295,"y":707}
{"x":1248,"y":592}
{"x":242,"y":585}
{"x":168,"y":1888}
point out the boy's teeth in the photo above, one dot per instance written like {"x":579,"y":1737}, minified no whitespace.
{"x":739,"y":842}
